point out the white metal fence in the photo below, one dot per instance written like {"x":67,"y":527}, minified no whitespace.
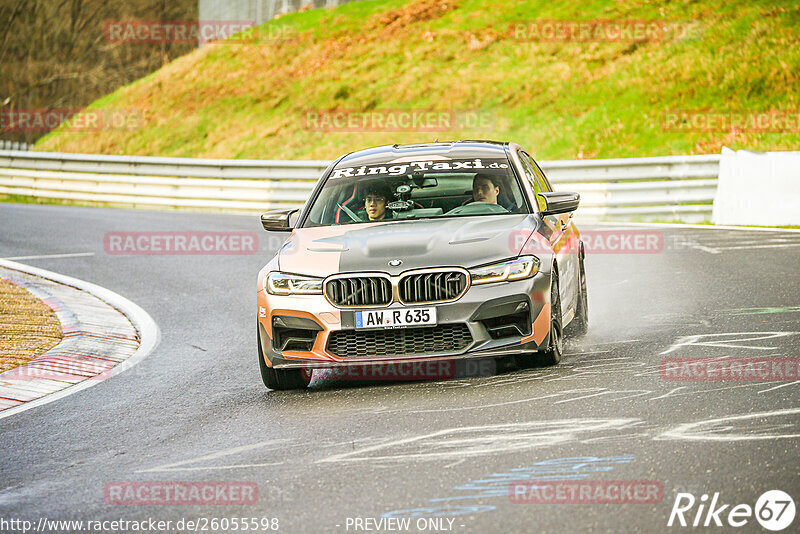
{"x":14,"y":145}
{"x":661,"y":188}
{"x":256,"y":11}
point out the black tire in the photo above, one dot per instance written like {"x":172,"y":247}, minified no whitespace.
{"x":281,"y":378}
{"x":555,"y":343}
{"x":580,"y":323}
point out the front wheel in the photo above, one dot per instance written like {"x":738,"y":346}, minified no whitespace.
{"x":555,"y":346}
{"x":281,"y":378}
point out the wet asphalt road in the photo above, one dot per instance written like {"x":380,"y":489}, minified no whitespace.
{"x":342,"y":451}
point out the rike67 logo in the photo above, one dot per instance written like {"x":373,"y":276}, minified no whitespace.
{"x":774,"y":510}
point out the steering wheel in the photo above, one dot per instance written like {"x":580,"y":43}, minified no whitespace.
{"x":474,"y":208}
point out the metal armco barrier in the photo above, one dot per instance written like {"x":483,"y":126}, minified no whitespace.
{"x":257,"y":11}
{"x":14,"y":145}
{"x":628,"y":189}
{"x":661,"y":188}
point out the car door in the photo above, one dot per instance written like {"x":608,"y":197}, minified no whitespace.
{"x":562,"y":239}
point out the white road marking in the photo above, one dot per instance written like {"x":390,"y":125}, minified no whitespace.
{"x":615,"y":342}
{"x":696,"y":340}
{"x":670,"y":392}
{"x":495,"y":405}
{"x":745,"y":247}
{"x":732,"y":386}
{"x":590,"y":365}
{"x":639,"y":393}
{"x":212,"y":468}
{"x":723,"y":428}
{"x":50,"y":256}
{"x":737,"y":241}
{"x":697,"y":226}
{"x":606,"y":392}
{"x":617,"y":437}
{"x":779,"y":387}
{"x":227,"y":452}
{"x":587,"y":352}
{"x":710,"y":240}
{"x":705,"y":249}
{"x":463,"y":442}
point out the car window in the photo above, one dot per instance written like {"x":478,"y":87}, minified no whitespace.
{"x":534,"y":179}
{"x":540,"y":175}
{"x":433,"y":188}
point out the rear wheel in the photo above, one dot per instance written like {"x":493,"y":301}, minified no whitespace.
{"x":281,"y":378}
{"x":555,"y":345}
{"x":580,"y":323}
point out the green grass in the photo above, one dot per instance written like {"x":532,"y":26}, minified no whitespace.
{"x":562,"y":100}
{"x":28,"y":199}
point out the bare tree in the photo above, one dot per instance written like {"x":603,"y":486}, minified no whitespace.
{"x":54,"y":53}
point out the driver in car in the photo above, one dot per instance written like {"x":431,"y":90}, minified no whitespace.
{"x":485,"y":188}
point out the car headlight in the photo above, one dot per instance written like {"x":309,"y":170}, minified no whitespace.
{"x":507,"y":271}
{"x":292,"y":284}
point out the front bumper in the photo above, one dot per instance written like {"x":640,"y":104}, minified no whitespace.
{"x":502,"y":319}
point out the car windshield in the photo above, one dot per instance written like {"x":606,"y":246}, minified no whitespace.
{"x":429,"y":188}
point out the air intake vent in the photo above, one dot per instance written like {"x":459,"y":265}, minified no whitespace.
{"x":359,"y":291}
{"x":445,"y":338}
{"x":432,"y":287}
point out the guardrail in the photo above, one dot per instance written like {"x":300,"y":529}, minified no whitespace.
{"x":257,"y":11}
{"x":14,"y":145}
{"x":665,"y":188}
{"x":658,"y":188}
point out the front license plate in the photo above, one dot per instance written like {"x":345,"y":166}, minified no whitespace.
{"x":395,"y":318}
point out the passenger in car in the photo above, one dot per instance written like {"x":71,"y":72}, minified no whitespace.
{"x":375,"y":198}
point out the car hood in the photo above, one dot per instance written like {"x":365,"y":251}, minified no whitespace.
{"x":461,"y":241}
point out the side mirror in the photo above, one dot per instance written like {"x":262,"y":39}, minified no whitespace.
{"x":560,"y":202}
{"x":279,"y":220}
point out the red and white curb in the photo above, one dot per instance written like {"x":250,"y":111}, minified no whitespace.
{"x":104,"y":334}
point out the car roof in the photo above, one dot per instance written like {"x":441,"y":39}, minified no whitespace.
{"x":450,"y":150}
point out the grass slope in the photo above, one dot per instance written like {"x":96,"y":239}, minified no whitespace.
{"x":564,"y":100}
